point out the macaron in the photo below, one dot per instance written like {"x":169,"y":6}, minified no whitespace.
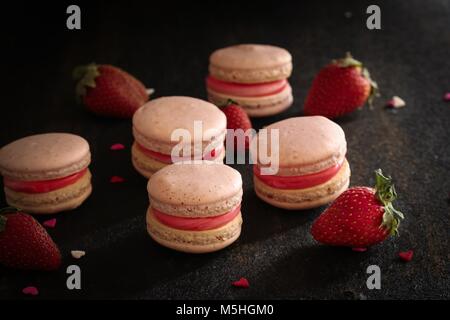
{"x":154,"y":125}
{"x":195,"y":208}
{"x":252,"y":75}
{"x":46,"y":173}
{"x":312,"y":170}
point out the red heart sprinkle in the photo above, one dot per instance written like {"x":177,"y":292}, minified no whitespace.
{"x":49,"y":223}
{"x":447,"y":96}
{"x":241,"y":283}
{"x":406,"y":255}
{"x":117,"y":146}
{"x":116,"y":179}
{"x":32,"y":291}
{"x":359,"y":249}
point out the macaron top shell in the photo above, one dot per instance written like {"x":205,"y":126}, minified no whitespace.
{"x":250,"y":57}
{"x":195,"y":189}
{"x":44,"y":157}
{"x":158,"y":118}
{"x":308,"y":145}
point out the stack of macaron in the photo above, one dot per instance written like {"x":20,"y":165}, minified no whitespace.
{"x":46,"y":173}
{"x":252,"y":75}
{"x":312,"y":168}
{"x":154,"y":125}
{"x":195,"y":208}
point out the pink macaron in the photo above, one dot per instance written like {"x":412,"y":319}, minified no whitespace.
{"x":155,"y":125}
{"x":46,"y":173}
{"x":253,"y":75}
{"x":312,"y":169}
{"x":195,"y":207}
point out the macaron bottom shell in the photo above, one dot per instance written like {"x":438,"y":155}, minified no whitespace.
{"x":66,"y":198}
{"x":194,"y":241}
{"x":147,"y":166}
{"x":308,"y":198}
{"x":262,"y":106}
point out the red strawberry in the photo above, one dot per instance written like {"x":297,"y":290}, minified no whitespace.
{"x":24,"y":243}
{"x":340,"y":88}
{"x":237,"y":118}
{"x":109,"y":91}
{"x":360,"y":217}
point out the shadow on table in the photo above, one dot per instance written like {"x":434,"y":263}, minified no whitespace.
{"x":320,"y":272}
{"x":262,"y":221}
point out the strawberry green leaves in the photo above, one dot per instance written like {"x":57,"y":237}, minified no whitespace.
{"x":386,"y":194}
{"x":3,"y":218}
{"x":2,"y":223}
{"x":85,"y":75}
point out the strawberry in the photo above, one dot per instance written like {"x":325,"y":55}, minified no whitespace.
{"x":339,"y":88}
{"x":360,"y":217}
{"x":24,"y":243}
{"x":237,"y":118}
{"x":109,"y":91}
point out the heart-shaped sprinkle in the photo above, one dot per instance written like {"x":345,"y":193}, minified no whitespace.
{"x":447,"y":96}
{"x":77,"y":254}
{"x":49,"y":223}
{"x":241,"y":283}
{"x":32,"y":291}
{"x":396,"y":102}
{"x":117,"y":146}
{"x":359,"y":249}
{"x":116,"y":179}
{"x":406,"y":255}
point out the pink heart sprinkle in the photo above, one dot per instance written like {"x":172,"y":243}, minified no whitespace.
{"x":406,"y":255}
{"x":241,"y":283}
{"x":117,"y":146}
{"x":447,"y":96}
{"x":49,"y":223}
{"x":32,"y":291}
{"x":359,"y":249}
{"x":116,"y":179}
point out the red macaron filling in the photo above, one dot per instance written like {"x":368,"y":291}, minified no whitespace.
{"x":196,"y":224}
{"x":297,"y":182}
{"x":246,"y":89}
{"x":44,"y":185}
{"x":167,"y":158}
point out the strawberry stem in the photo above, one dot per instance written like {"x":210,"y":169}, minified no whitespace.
{"x":386,"y":194}
{"x":8,"y":209}
{"x":374,"y":90}
{"x":228,"y":103}
{"x":86,"y":77}
{"x":348,"y":61}
{"x":2,"y":222}
{"x":4,"y":218}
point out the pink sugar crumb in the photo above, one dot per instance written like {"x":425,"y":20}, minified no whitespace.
{"x":49,"y":223}
{"x":447,"y":96}
{"x":117,"y":146}
{"x":32,"y":291}
{"x":241,"y":283}
{"x":116,"y":179}
{"x":406,"y":255}
{"x":359,"y":249}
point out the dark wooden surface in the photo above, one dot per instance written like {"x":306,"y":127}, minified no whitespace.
{"x":167,"y":47}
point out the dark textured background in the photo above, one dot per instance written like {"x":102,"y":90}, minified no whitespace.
{"x":167,"y":47}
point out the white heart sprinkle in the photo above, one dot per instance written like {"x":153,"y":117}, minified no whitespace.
{"x":77,"y":254}
{"x":396,"y":102}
